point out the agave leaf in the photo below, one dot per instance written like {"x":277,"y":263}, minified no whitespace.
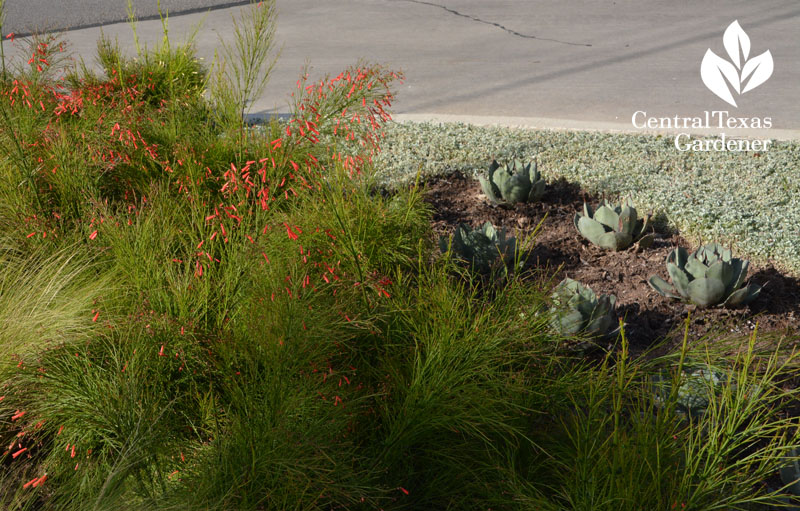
{"x":607,"y":217}
{"x":570,"y":323}
{"x":590,"y":229}
{"x":627,"y":220}
{"x":642,"y":226}
{"x":742,"y":274}
{"x":599,"y":325}
{"x":790,"y":473}
{"x":712,"y":249}
{"x":737,"y":297}
{"x":460,"y":237}
{"x":705,"y":292}
{"x":743,"y":296}
{"x":489,"y":231}
{"x":585,"y":292}
{"x":678,"y":256}
{"x":537,"y":190}
{"x":501,"y":179}
{"x":534,"y":173}
{"x":615,"y":240}
{"x":489,"y":189}
{"x":587,"y":210}
{"x":586,"y":308}
{"x":606,"y":303}
{"x":695,"y":267}
{"x":508,"y":243}
{"x":701,"y":254}
{"x":567,"y":285}
{"x":444,"y":243}
{"x":572,"y":302}
{"x":661,"y":287}
{"x":507,"y":248}
{"x":721,"y":271}
{"x":736,"y":276}
{"x":679,"y":279}
{"x":517,"y":188}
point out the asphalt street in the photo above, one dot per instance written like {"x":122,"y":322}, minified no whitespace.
{"x":35,"y":16}
{"x":581,"y":64}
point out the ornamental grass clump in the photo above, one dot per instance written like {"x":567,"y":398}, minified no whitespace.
{"x":613,"y":226}
{"x":708,"y":276}
{"x":578,"y":310}
{"x":512,"y":183}
{"x":483,"y":248}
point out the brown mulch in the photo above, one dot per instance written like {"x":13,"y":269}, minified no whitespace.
{"x":559,"y":251}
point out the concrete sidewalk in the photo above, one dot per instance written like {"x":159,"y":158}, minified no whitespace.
{"x":551,"y":64}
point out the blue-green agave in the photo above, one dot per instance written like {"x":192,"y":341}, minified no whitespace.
{"x":708,"y":276}
{"x":614,"y":227}
{"x":698,"y":386}
{"x":577,"y":309}
{"x":512,"y":183}
{"x":481,"y":248}
{"x":790,"y":472}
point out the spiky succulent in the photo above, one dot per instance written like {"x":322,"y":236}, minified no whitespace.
{"x":511,"y":183}
{"x":614,"y":227}
{"x":790,"y":472}
{"x":706,"y":277}
{"x":577,"y":309}
{"x":698,"y":386}
{"x":481,"y":248}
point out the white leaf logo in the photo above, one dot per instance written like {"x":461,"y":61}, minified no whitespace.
{"x":740,"y":73}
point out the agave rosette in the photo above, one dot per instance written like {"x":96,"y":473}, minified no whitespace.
{"x":512,"y":183}
{"x":481,"y":248}
{"x":790,"y":472}
{"x":613,"y":227}
{"x":706,"y":277}
{"x":578,"y":310}
{"x":698,"y":386}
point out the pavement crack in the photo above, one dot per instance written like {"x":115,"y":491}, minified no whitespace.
{"x":492,"y":23}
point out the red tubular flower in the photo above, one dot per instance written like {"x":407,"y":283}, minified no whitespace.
{"x":292,"y":235}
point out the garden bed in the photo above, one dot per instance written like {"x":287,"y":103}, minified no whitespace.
{"x":199,"y":316}
{"x":749,"y":201}
{"x":560,"y":251}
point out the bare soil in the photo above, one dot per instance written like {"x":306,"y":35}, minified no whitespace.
{"x":560,"y":251}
